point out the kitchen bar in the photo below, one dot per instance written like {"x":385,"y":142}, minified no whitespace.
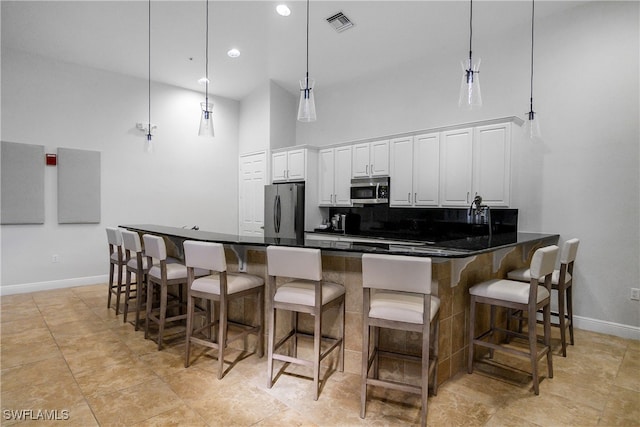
{"x":457,"y":265}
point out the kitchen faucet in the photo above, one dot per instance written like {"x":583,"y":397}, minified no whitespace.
{"x":476,"y":213}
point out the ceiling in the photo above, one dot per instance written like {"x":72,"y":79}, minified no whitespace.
{"x":113,"y":35}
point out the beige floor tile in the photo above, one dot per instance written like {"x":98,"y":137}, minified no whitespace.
{"x":286,"y":418}
{"x":33,"y":374}
{"x":114,"y":377}
{"x":134,"y":404}
{"x":16,"y":352}
{"x":79,"y":415}
{"x":449,"y":408}
{"x":179,"y":417}
{"x":622,"y":408}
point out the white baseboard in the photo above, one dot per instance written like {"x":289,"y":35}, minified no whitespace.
{"x":605,"y":327}
{"x":24,"y":288}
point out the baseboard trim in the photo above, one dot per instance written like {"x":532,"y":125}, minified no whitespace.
{"x":605,"y":327}
{"x":24,"y":288}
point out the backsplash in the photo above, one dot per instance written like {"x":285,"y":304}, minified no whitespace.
{"x":432,"y":224}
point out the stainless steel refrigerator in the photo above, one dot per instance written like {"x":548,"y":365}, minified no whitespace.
{"x":284,"y":210}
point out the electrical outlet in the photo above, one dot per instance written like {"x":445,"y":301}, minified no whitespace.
{"x":55,"y":258}
{"x":635,"y":294}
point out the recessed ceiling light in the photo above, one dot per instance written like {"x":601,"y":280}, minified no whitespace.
{"x":283,"y":10}
{"x":203,"y":80}
{"x":233,"y":53}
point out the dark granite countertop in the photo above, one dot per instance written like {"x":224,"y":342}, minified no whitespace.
{"x":459,"y":248}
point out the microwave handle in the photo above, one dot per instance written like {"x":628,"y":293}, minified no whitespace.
{"x":377,"y":190}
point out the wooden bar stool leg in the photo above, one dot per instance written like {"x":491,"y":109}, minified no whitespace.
{"x":546,"y":313}
{"x":260,"y":320}
{"x":187,"y":350}
{"x":562,"y":320}
{"x":426,"y":335}
{"x":127,"y":292}
{"x":111,"y":276}
{"x":533,"y":338}
{"x":222,"y":334}
{"x":150,"y":287}
{"x":317,"y":336}
{"x":570,"y":312}
{"x":341,"y":362}
{"x":119,"y":290}
{"x":271,"y":343}
{"x":163,"y":314}
{"x":366,"y":334}
{"x":492,"y":317}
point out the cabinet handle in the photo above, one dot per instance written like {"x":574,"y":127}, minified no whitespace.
{"x":467,"y":197}
{"x":415,"y":197}
{"x":409,"y":197}
{"x":367,"y":169}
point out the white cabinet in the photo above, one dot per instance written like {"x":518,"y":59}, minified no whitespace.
{"x":414,"y":170}
{"x":455,"y":167}
{"x":334,"y":176}
{"x":370,"y":159}
{"x":476,"y":161}
{"x":289,"y":165}
{"x":492,"y":164}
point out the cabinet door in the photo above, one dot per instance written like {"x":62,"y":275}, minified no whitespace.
{"x":342,"y":174}
{"x":296,"y":162}
{"x":326,"y":172}
{"x":492,"y":164}
{"x":426,"y":169}
{"x":279,"y":166}
{"x":401,"y":172}
{"x":455,"y":167}
{"x":379,"y":158}
{"x":360,"y":163}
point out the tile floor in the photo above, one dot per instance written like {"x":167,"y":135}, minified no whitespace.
{"x":64,"y":351}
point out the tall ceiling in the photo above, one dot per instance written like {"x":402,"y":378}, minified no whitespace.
{"x":113,"y":36}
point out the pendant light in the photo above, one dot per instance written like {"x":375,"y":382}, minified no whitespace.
{"x":532,"y":125}
{"x":470,"y":86}
{"x":307,"y":107}
{"x":206,"y":119}
{"x":148,"y":145}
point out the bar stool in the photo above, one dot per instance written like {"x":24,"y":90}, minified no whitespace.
{"x":116,"y":259}
{"x":307,"y":293}
{"x":397,"y":295}
{"x":138,"y":264}
{"x":163,"y":274}
{"x":561,"y":281}
{"x":528,"y":297}
{"x":222,"y":287}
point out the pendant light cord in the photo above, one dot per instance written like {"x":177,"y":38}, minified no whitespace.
{"x":149,"y":74}
{"x":533,"y":8}
{"x":470,"y":32}
{"x":307,"y":75}
{"x":206,"y":62}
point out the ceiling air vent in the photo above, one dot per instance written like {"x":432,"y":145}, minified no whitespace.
{"x":340,"y":22}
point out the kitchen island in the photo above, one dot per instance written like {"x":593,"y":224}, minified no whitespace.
{"x":457,"y":265}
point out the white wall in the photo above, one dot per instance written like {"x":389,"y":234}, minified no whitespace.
{"x":186,"y":181}
{"x":583,"y":181}
{"x":282,"y":117}
{"x":254,"y":120}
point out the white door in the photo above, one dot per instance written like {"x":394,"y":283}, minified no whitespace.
{"x":296,"y":162}
{"x":379,"y":158}
{"x":455,"y":167}
{"x":253,"y":174}
{"x":492,"y":164}
{"x":342,"y":174}
{"x":326,"y":177}
{"x":279,"y":166}
{"x":426,"y":169}
{"x":401,"y":176}
{"x":360,"y":160}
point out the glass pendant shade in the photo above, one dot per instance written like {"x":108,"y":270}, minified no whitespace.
{"x":531,"y":126}
{"x":148,"y":145}
{"x":206,"y":120}
{"x":470,"y":95}
{"x":307,"y":107}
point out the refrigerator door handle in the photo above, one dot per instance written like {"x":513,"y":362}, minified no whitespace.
{"x":276,"y":225}
{"x":278,"y":214}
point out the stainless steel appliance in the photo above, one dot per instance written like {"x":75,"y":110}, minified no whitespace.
{"x":284,"y":210}
{"x":370,"y":190}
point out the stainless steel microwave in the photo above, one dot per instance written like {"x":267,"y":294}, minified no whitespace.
{"x":370,"y":190}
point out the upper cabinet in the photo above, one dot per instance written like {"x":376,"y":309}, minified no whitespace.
{"x":492,"y":164}
{"x":289,"y":165}
{"x":370,"y":159}
{"x":476,"y":161}
{"x":414,"y":170}
{"x":334,"y":176}
{"x":456,"y":152}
